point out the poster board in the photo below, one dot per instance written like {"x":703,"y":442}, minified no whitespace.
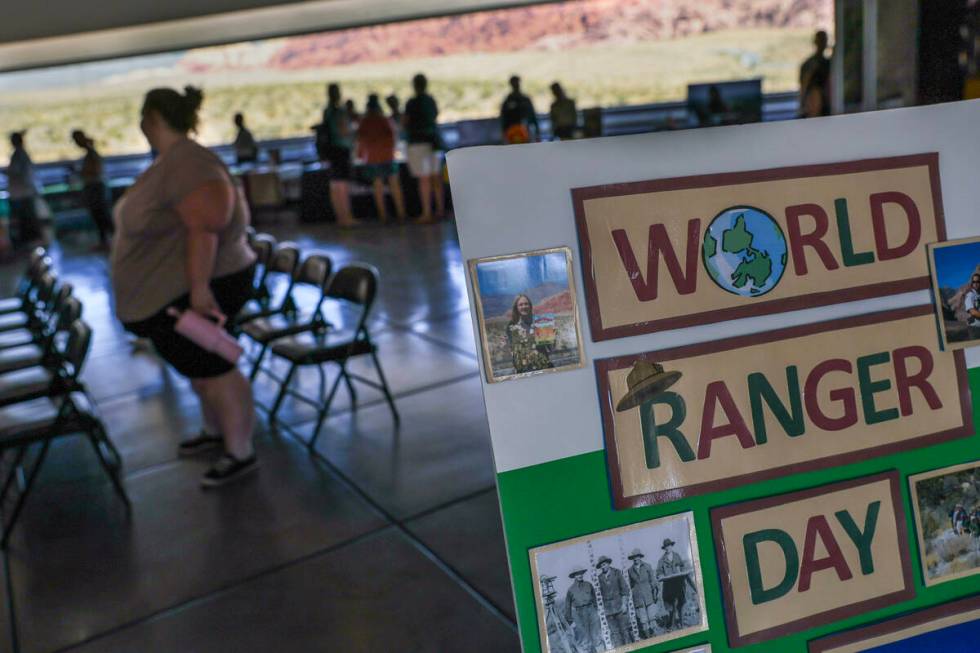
{"x":547,"y":431}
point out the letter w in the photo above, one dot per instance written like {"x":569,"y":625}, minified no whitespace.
{"x":685,"y":280}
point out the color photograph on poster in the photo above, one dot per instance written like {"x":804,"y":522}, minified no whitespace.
{"x":528,"y":315}
{"x":955,"y":267}
{"x":948,"y":628}
{"x":687,"y":251}
{"x":715,"y":415}
{"x":947,"y":520}
{"x":620,"y":590}
{"x":795,"y":561}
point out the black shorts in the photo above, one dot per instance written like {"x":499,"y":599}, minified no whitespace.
{"x":231,"y":292}
{"x":339,"y":160}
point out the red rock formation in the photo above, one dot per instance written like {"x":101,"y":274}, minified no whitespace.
{"x":578,"y":22}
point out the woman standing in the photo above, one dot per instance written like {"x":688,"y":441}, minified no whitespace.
{"x":376,"y":145}
{"x":95,"y":195}
{"x":180,"y":243}
{"x":529,"y":355}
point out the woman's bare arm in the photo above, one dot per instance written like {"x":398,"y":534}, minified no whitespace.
{"x":205,"y":211}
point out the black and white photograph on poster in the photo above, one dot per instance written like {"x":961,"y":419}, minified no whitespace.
{"x":947,"y":520}
{"x":620,"y":590}
{"x":956,"y":290}
{"x":527,"y":313}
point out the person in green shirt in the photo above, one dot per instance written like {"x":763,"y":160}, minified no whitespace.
{"x":333,"y":145}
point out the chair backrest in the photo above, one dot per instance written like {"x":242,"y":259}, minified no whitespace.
{"x":39,"y":265}
{"x":315,"y":270}
{"x":76,"y":349}
{"x":44,"y":288}
{"x":356,"y":283}
{"x":263,"y":245}
{"x":284,"y":259}
{"x":68,"y":313}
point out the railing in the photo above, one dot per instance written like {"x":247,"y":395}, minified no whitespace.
{"x":616,"y":121}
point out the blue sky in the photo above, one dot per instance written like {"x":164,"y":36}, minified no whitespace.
{"x":512,"y":276}
{"x":954,"y":264}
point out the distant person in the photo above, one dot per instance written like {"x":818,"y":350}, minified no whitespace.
{"x":352,"y":114}
{"x":518,"y":121}
{"x":376,"y":145}
{"x":22,"y":190}
{"x":246,"y":149}
{"x":396,"y":116}
{"x":422,"y":152}
{"x":95,"y":195}
{"x":333,"y":145}
{"x":564,"y":116}
{"x":815,"y":80}
{"x":394,"y":108}
{"x":181,"y":244}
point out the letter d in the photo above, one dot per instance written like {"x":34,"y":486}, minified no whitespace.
{"x":791,"y":559}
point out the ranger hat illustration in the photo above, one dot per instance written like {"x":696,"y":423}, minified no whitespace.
{"x":576,"y":571}
{"x":645,"y":381}
{"x":635,"y":553}
{"x":603,"y":559}
{"x":668,"y":542}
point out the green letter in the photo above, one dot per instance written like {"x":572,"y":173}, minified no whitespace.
{"x":869,"y":388}
{"x":848,"y":255}
{"x":670,"y":430}
{"x":751,"y":543}
{"x":791,"y":420}
{"x":862,"y":541}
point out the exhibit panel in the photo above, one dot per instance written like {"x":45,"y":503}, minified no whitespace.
{"x":734,"y":421}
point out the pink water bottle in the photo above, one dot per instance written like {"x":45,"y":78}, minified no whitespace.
{"x":206,"y":334}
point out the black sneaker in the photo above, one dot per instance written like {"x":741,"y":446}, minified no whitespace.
{"x":202,"y":443}
{"x":228,"y":469}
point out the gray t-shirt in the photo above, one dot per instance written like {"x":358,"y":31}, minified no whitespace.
{"x":150,"y":247}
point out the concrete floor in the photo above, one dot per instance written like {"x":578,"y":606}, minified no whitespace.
{"x":383,"y":540}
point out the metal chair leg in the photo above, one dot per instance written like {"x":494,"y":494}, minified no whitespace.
{"x":325,"y":408}
{"x":350,"y":387}
{"x":96,"y":440}
{"x":385,"y":389}
{"x":258,"y":362}
{"x":282,"y":393}
{"x":12,"y":474}
{"x":8,"y":525}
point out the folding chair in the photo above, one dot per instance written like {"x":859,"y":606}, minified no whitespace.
{"x":315,"y":271}
{"x":281,"y":270}
{"x":38,"y":265}
{"x":358,"y":285}
{"x":43,"y":419}
{"x":263,"y":246}
{"x":57,"y":376}
{"x":38,"y":309}
{"x":42,"y":352}
{"x":48,"y":301}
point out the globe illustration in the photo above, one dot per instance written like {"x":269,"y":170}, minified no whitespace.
{"x":744,"y":251}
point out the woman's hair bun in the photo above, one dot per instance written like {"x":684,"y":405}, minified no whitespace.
{"x":194,"y":97}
